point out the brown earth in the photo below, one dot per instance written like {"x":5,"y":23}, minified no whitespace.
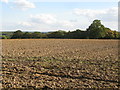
{"x":59,"y":63}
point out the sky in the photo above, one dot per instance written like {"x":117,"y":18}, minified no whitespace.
{"x":44,"y":16}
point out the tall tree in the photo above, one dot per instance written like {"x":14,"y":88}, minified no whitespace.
{"x":96,"y":30}
{"x":17,"y":34}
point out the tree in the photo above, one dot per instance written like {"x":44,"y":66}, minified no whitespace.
{"x":57,"y":34}
{"x":116,"y":34}
{"x":37,"y":35}
{"x":78,"y":34}
{"x":109,"y":34}
{"x":3,"y":37}
{"x":27,"y":35}
{"x":96,"y":30}
{"x":17,"y":34}
{"x":44,"y":35}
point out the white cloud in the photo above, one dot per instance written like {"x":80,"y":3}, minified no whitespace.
{"x":112,"y":25}
{"x":50,"y":19}
{"x":43,"y":18}
{"x":23,"y":4}
{"x":46,"y":22}
{"x":25,"y":24}
{"x":65,"y":23}
{"x":104,"y":14}
{"x":5,"y":1}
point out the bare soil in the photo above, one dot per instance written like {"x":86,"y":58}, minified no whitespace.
{"x":59,"y":63}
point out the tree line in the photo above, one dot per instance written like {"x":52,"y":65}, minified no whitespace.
{"x":95,"y":31}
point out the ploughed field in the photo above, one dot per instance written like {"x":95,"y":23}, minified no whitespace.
{"x":59,"y":63}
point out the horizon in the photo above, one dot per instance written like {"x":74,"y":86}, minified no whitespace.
{"x":26,"y":15}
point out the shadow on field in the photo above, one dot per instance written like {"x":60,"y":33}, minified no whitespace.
{"x":81,"y":77}
{"x":47,"y":88}
{"x":29,"y":88}
{"x":62,"y":76}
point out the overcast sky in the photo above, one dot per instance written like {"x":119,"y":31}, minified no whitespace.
{"x":27,"y":15}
